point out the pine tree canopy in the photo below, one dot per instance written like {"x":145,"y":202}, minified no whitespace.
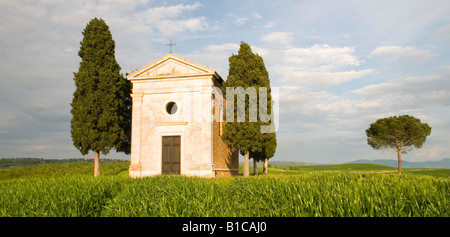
{"x":403,"y":132}
{"x":101,"y":103}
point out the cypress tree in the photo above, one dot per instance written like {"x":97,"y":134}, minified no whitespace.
{"x":101,"y":102}
{"x":268,"y":137}
{"x":269,"y":141}
{"x":246,"y":70}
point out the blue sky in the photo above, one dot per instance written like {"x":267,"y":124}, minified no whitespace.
{"x":339,"y":66}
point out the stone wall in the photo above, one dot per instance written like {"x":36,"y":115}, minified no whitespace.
{"x":226,"y":162}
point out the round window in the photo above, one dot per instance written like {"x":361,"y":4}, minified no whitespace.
{"x":171,"y":107}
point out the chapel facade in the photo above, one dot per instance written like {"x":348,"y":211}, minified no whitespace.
{"x":177,"y":115}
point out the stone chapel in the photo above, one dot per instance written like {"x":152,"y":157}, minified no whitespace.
{"x":176,"y":121}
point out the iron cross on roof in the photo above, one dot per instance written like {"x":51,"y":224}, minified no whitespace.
{"x":170,"y":44}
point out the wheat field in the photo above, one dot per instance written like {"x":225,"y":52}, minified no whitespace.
{"x":70,"y":190}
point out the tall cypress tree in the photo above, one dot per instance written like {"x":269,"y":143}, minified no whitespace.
{"x":246,"y":70}
{"x":268,"y":138}
{"x":101,"y":103}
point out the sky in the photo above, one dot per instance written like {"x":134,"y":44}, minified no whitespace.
{"x":339,"y":66}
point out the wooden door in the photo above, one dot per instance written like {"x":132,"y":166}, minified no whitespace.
{"x":171,"y":154}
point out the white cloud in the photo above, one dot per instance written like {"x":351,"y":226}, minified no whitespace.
{"x":444,"y":31}
{"x":241,"y":21}
{"x":398,"y":54}
{"x":269,"y":24}
{"x":409,"y":92}
{"x":165,"y":19}
{"x":321,"y":115}
{"x":322,"y":55}
{"x":396,"y":85}
{"x":326,"y":78}
{"x":432,"y":151}
{"x":284,"y":38}
{"x":172,"y":27}
{"x":152,"y":15}
{"x":295,"y":98}
{"x":257,"y":15}
{"x":375,"y":21}
{"x":320,"y":65}
{"x":222,"y":48}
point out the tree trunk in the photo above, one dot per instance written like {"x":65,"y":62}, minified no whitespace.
{"x":266,"y":164}
{"x":255,"y":167}
{"x":399,"y":155}
{"x":246,"y":158}
{"x":97,"y":164}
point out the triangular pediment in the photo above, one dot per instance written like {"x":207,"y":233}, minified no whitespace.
{"x":170,"y":66}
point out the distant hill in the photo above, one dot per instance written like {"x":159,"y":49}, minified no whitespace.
{"x":444,"y":163}
{"x":289,"y":163}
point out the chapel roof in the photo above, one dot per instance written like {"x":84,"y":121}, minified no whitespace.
{"x":171,"y":65}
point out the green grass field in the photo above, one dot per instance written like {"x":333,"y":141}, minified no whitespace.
{"x":357,"y":190}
